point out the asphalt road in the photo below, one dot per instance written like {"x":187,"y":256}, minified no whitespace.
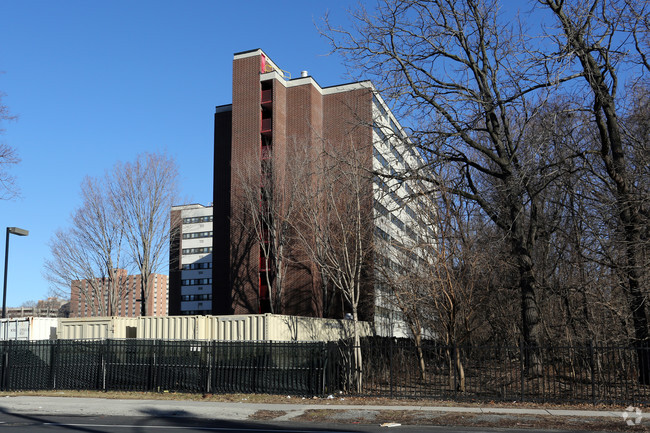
{"x":25,"y":423}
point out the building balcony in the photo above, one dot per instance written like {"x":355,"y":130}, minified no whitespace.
{"x":267,"y":96}
{"x":267,"y":125}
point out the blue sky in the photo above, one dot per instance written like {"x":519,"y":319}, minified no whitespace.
{"x":96,"y":82}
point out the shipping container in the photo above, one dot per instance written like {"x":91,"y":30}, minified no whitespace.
{"x":28,"y":328}
{"x":276,"y":327}
{"x":250,"y":327}
{"x":97,"y":328}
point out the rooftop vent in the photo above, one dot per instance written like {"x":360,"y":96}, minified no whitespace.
{"x":304,"y":74}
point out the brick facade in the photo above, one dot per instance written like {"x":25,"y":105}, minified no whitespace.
{"x":303,"y":114}
{"x":88,"y":298}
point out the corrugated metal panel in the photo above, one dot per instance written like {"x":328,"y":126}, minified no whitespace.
{"x":83,"y":328}
{"x":273,"y":327}
{"x":295,"y":328}
{"x":173,"y":327}
{"x":96,"y":327}
{"x":238,"y":328}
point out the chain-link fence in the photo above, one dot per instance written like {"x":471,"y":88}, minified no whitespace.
{"x":382,"y":367}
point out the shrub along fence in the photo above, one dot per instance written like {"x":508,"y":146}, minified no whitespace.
{"x":390,"y":368}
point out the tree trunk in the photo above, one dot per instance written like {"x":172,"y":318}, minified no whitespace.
{"x":460,"y":370}
{"x":418,"y":347}
{"x":531,"y":326}
{"x":357,"y":358}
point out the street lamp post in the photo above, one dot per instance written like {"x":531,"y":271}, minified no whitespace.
{"x":10,"y":231}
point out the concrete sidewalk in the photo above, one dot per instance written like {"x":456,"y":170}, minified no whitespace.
{"x":35,"y":405}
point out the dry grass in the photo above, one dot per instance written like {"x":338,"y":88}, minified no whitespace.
{"x":471,"y":420}
{"x":280,"y":399}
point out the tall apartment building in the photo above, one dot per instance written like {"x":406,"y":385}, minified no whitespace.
{"x":190,"y":268}
{"x":90,"y":298}
{"x":269,"y":113}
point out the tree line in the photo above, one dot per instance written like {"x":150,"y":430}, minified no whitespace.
{"x":534,"y":126}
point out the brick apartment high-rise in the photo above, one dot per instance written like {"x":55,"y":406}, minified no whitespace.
{"x":90,"y":297}
{"x":269,"y":111}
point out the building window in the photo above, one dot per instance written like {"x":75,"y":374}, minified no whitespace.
{"x":380,"y":158}
{"x":197,"y":235}
{"x":380,"y":183}
{"x":196,"y":297}
{"x":196,"y":282}
{"x":398,"y":222}
{"x":394,"y":127}
{"x":201,"y":265}
{"x":197,"y":250}
{"x":194,"y":220}
{"x":381,"y":208}
{"x":410,"y":212}
{"x":379,"y":106}
{"x":396,"y":198}
{"x":382,"y":234}
{"x":396,"y":154}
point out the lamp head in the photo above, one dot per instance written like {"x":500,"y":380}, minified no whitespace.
{"x":17,"y":231}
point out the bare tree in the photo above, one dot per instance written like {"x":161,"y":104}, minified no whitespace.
{"x":268,"y":195}
{"x":335,"y":229}
{"x":28,"y":304}
{"x":8,"y":157}
{"x":593,"y":38}
{"x":89,"y":255}
{"x":434,"y":279}
{"x":142,"y":193}
{"x":462,"y":74}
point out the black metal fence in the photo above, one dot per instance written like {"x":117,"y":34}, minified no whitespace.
{"x":389,"y":367}
{"x":157,"y":365}
{"x":589,"y":373}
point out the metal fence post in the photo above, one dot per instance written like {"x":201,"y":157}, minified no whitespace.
{"x":592,"y":365}
{"x":454,"y":362}
{"x":54,"y":361}
{"x":522,"y":367}
{"x":5,"y":366}
{"x":152,"y":365}
{"x":390,"y":366}
{"x":324,"y":364}
{"x":208,"y":382}
{"x":103,"y":349}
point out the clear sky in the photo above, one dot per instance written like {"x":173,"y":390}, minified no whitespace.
{"x":95,"y":82}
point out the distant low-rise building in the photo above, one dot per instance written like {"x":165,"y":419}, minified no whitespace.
{"x":50,"y":307}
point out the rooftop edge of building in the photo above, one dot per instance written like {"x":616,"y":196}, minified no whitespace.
{"x":191,"y":206}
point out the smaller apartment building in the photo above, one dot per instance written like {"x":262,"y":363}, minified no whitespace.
{"x":190,"y":267}
{"x":96,"y":298}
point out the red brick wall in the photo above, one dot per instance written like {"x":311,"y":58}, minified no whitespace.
{"x":302,"y":116}
{"x":246,"y":123}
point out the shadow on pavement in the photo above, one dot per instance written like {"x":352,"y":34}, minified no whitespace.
{"x":151,"y":418}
